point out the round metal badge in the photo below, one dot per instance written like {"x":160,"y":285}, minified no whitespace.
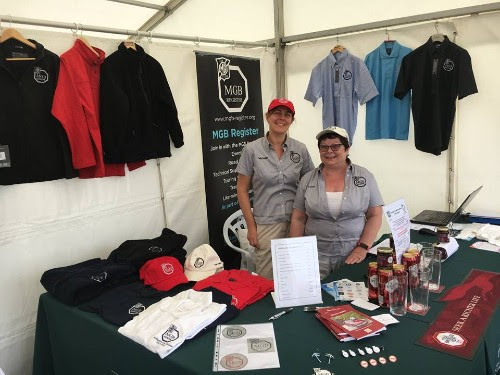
{"x":234,"y":361}
{"x":234,"y":332}
{"x":393,"y":358}
{"x":373,"y":362}
{"x":382,"y":360}
{"x":363,"y":364}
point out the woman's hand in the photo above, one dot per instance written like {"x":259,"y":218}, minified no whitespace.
{"x":252,"y":237}
{"x":357,"y":255}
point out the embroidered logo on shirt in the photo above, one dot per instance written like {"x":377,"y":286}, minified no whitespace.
{"x":171,"y":334}
{"x":359,"y":181}
{"x":199,"y":262}
{"x":101,"y":277}
{"x":448,"y":65}
{"x":136,"y":309}
{"x":40,"y":75}
{"x":294,"y":156}
{"x":167,"y":268}
{"x":347,"y":75}
{"x":155,"y":249}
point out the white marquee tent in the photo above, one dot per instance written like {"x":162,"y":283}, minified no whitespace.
{"x":52,"y":224}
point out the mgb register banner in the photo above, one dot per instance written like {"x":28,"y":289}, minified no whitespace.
{"x":230,"y":101}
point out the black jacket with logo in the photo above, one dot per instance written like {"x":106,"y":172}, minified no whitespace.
{"x":37,"y":144}
{"x":138,"y":112}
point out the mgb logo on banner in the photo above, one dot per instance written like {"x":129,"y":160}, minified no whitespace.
{"x":230,"y":100}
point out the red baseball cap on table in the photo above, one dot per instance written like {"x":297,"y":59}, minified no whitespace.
{"x":281,"y":102}
{"x":163,"y":273}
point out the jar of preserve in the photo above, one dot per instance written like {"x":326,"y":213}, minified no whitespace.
{"x":383,"y":295}
{"x":398,"y":269}
{"x":372,"y":281}
{"x":385,"y":260}
{"x":442,"y":234}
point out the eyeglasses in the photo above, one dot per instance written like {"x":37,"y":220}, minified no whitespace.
{"x":333,"y":147}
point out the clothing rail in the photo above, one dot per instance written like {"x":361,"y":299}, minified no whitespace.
{"x":380,"y":25}
{"x":137,"y":33}
{"x":141,"y":4}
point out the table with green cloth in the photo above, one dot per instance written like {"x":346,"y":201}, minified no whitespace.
{"x":71,"y":341}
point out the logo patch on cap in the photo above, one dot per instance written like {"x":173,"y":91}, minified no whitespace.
{"x":294,"y":156}
{"x":136,"y":309}
{"x":359,"y":181}
{"x":199,"y":262}
{"x":100,"y":277}
{"x":171,"y":334}
{"x":167,"y":268}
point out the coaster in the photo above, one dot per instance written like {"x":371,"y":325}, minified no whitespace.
{"x":421,"y":312}
{"x":441,"y":288}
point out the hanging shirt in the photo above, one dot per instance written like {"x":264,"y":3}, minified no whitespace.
{"x":76,"y":106}
{"x":138,"y":112}
{"x":437,"y":74}
{"x":386,"y":116}
{"x":341,"y":80}
{"x":31,"y":140}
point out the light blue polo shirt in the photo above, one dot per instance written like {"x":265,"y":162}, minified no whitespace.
{"x":341,"y":80}
{"x":386,"y":116}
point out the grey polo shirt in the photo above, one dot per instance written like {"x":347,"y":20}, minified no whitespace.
{"x":337,"y":235}
{"x":274,"y":181}
{"x":341,"y":81}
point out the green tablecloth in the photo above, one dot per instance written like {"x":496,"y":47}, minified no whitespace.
{"x":70,"y":341}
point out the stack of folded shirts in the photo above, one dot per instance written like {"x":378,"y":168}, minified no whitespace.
{"x":346,"y":323}
{"x":242,"y":285}
{"x":165,"y":325}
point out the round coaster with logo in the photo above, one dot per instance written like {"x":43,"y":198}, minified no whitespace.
{"x":234,"y":332}
{"x":234,"y":361}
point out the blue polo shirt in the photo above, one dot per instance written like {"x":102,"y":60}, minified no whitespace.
{"x":341,"y":80}
{"x":386,"y":116}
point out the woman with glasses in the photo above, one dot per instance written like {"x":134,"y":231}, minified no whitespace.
{"x":272,"y":166}
{"x":338,"y":202}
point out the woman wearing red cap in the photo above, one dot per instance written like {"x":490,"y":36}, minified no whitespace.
{"x":272,"y":166}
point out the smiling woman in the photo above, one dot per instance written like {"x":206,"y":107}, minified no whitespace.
{"x":338,"y":202}
{"x":272,"y":165}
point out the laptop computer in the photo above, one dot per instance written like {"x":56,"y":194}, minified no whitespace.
{"x":442,"y":218}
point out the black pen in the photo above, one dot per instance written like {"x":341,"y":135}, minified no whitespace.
{"x":276,"y":316}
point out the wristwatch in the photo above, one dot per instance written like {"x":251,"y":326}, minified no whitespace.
{"x":363,"y":245}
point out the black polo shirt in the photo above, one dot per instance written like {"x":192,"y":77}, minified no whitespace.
{"x":437,"y":73}
{"x":37,"y":144}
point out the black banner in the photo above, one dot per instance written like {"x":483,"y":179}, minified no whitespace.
{"x":230,"y":100}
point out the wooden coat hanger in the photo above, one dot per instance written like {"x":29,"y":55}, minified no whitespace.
{"x":438,"y":37}
{"x":16,"y":35}
{"x":130,"y":43}
{"x":338,"y":47}
{"x":83,"y":39}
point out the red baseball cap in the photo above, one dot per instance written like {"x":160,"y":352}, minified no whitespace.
{"x":163,"y":273}
{"x":281,"y":102}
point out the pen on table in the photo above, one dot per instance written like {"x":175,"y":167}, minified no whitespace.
{"x":276,"y":316}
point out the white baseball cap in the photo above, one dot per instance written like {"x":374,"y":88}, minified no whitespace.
{"x":334,"y":130}
{"x":202,"y":262}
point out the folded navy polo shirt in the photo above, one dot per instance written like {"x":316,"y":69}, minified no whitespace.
{"x":138,"y":252}
{"x":84,"y":281}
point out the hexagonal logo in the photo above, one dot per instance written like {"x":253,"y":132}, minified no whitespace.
{"x":233,"y":85}
{"x":450,"y":339}
{"x":171,"y":334}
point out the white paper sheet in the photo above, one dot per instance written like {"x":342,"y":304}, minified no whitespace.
{"x":296,"y":271}
{"x":398,"y":218}
{"x":245,"y":347}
